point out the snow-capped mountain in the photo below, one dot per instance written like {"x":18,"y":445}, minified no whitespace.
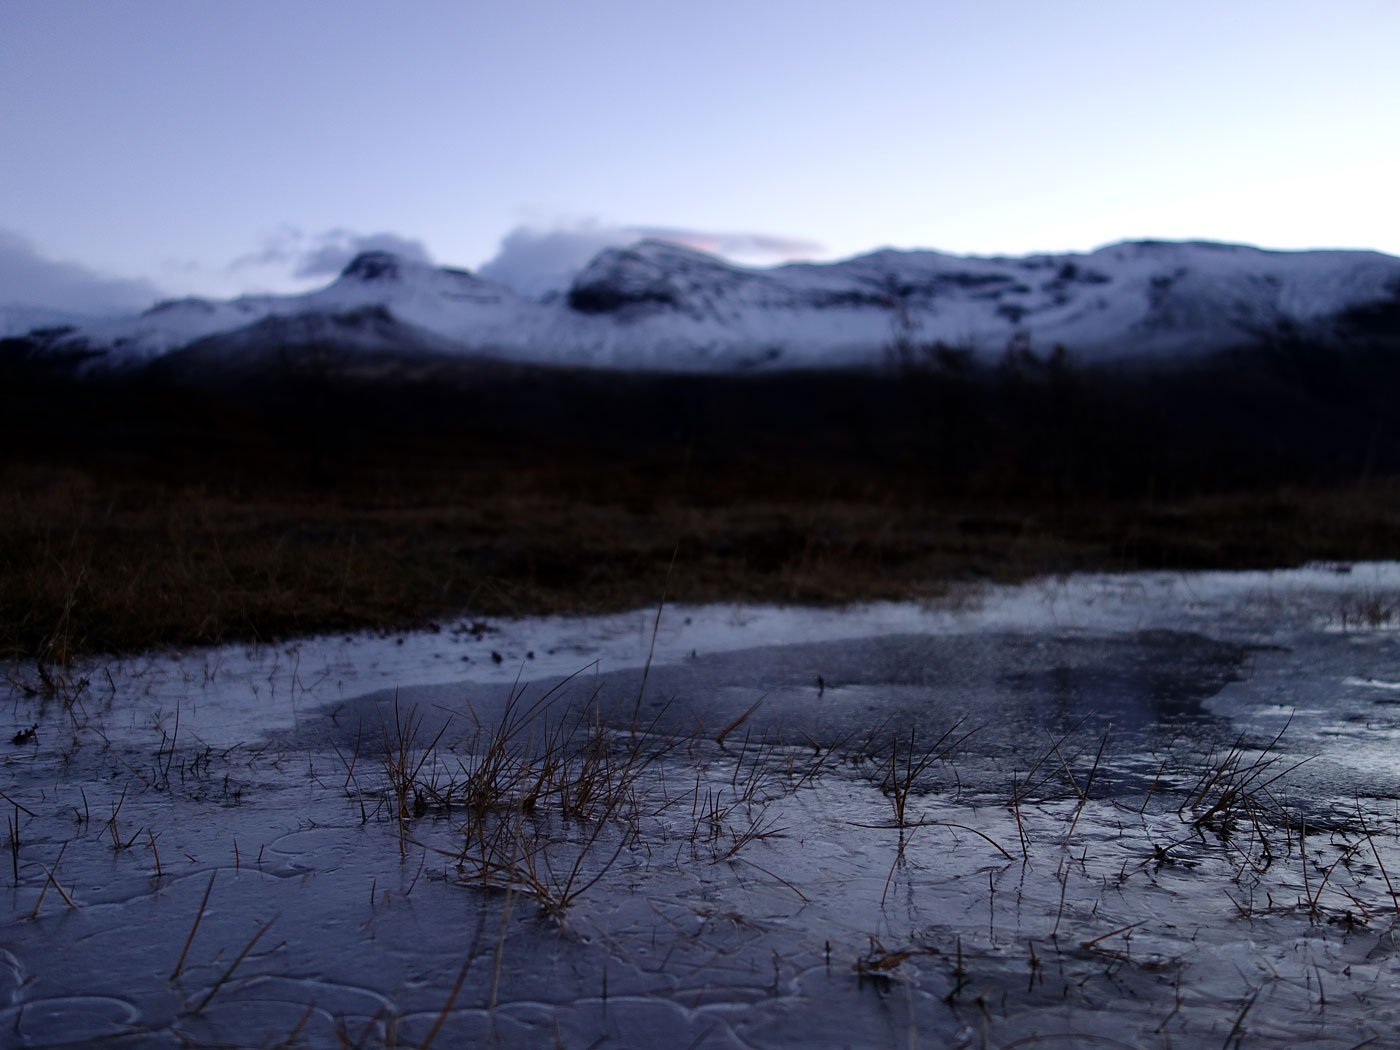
{"x":660,"y":306}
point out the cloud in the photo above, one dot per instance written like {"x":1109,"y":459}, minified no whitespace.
{"x":535,"y":261}
{"x":338,"y":247}
{"x":325,"y":254}
{"x":28,"y":278}
{"x":757,"y":248}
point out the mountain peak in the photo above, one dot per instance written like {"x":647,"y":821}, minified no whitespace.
{"x":656,"y":304}
{"x":652,"y":272}
{"x":373,"y":266}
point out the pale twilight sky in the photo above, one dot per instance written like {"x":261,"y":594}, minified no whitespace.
{"x":244,"y":145}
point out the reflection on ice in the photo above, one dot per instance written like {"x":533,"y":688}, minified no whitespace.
{"x":1370,"y":683}
{"x":970,"y":824}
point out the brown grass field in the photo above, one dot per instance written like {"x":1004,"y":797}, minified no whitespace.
{"x":144,"y":516}
{"x":97,"y":558}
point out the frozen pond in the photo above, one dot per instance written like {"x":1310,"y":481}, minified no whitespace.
{"x":1118,"y":811}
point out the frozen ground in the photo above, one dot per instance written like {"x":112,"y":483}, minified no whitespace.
{"x":1154,"y":811}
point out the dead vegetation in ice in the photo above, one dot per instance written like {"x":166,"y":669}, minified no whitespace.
{"x":558,"y":871}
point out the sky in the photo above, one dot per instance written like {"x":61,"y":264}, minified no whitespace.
{"x":154,"y":148}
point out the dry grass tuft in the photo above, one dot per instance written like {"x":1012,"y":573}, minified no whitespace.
{"x":546,"y":798}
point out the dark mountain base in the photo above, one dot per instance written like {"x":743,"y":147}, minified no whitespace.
{"x":144,"y":510}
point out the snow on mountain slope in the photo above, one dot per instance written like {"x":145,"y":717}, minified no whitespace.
{"x":410,"y":290}
{"x":359,"y":332}
{"x":658,"y":305}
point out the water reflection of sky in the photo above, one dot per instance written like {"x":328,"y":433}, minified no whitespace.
{"x":243,"y":691}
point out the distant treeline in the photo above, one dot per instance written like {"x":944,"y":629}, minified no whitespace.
{"x":935,"y":422}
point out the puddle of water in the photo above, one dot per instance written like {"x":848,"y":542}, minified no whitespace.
{"x":253,"y":846}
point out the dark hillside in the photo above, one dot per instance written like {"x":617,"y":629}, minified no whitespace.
{"x":335,"y":492}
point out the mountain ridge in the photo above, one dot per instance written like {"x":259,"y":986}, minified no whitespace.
{"x":660,"y":306}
